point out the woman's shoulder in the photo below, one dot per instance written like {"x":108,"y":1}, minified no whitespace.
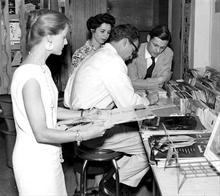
{"x":81,"y":53}
{"x":24,"y":73}
{"x":27,"y":71}
{"x":85,"y":49}
{"x":28,"y":67}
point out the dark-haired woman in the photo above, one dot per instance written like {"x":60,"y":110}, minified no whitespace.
{"x":99,"y":28}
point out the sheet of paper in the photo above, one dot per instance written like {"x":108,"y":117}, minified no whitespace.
{"x":113,"y":117}
{"x":118,"y":116}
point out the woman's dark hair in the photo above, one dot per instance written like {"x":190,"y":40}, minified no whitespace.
{"x":162,"y":32}
{"x":96,"y":21}
{"x":124,"y":31}
{"x":43,"y":22}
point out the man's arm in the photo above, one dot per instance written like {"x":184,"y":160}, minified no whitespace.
{"x":160,"y":75}
{"x":151,"y":83}
{"x":137,"y":82}
{"x":119,"y":86}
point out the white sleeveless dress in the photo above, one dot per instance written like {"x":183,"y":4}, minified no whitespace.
{"x":37,"y":167}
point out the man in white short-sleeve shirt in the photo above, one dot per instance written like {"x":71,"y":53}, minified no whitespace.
{"x":101,"y":81}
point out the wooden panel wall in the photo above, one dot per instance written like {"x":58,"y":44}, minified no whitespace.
{"x":182,"y":36}
{"x":1,"y":46}
{"x":5,"y":68}
{"x":140,"y":13}
{"x":144,"y":14}
{"x":80,"y":11}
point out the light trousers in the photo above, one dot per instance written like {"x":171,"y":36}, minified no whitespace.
{"x":125,"y":138}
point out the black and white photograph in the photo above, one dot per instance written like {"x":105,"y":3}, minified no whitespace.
{"x":110,"y":97}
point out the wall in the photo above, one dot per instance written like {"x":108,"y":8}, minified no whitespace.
{"x":207,"y":34}
{"x":5,"y":54}
{"x":202,"y":36}
{"x":215,"y":41}
{"x":79,"y":12}
{"x":144,"y":14}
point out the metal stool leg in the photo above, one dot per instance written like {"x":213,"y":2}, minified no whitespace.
{"x":116,"y":176}
{"x":83,"y":179}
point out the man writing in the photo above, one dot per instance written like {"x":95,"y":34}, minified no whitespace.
{"x":102,"y":82}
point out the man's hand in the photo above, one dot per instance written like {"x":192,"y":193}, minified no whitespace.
{"x":161,"y":80}
{"x":153,"y":97}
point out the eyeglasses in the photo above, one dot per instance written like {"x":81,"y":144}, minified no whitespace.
{"x":135,"y":51}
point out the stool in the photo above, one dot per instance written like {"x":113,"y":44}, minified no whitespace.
{"x":97,"y":155}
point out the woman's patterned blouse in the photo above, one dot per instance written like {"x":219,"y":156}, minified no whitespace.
{"x":81,"y":54}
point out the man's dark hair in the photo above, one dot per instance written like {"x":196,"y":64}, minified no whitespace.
{"x":124,"y":31}
{"x":162,"y":32}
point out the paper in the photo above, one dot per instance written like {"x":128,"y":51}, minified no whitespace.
{"x":118,"y":116}
{"x":15,"y":32}
{"x":113,"y":117}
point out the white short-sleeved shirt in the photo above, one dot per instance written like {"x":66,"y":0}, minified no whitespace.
{"x":102,"y":80}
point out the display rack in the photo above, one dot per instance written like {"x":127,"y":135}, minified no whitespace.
{"x":195,"y":170}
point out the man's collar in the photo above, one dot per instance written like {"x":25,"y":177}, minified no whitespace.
{"x":146,"y":53}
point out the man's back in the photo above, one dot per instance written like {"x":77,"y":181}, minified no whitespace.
{"x":88,"y":89}
{"x":101,"y":80}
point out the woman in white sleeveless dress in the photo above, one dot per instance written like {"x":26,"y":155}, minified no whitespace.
{"x":37,"y":153}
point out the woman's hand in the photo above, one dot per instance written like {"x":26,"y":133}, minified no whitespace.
{"x":92,"y":130}
{"x":91,"y":114}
